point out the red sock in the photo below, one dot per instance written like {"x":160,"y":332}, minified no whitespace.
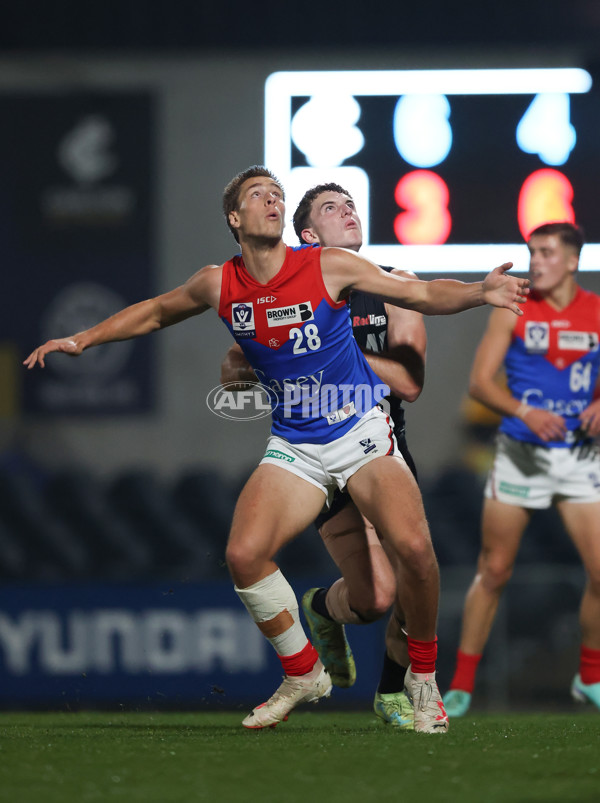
{"x":464,"y":674}
{"x":300,"y":663}
{"x":589,"y":665}
{"x":423,"y":655}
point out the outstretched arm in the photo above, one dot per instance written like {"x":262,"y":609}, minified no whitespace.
{"x":197,"y":295}
{"x":344,"y":271}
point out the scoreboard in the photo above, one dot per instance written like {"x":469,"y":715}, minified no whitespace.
{"x":450,"y":169}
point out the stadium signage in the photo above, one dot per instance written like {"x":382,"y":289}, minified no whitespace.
{"x":110,"y":640}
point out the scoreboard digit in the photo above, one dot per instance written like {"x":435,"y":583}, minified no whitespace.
{"x":450,"y":169}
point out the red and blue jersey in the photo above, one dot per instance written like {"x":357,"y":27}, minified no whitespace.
{"x":553,"y":360}
{"x":299,"y":342}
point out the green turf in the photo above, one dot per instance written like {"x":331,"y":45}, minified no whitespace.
{"x":314,"y":757}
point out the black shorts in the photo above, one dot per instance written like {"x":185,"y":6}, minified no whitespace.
{"x":341,"y":498}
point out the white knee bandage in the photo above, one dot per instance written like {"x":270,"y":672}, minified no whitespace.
{"x":269,"y":597}
{"x":265,"y":600}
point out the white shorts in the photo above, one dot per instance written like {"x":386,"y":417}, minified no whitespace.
{"x":531,"y":476}
{"x":330,"y":465}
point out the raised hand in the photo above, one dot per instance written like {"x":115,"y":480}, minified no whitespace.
{"x":502,"y":290}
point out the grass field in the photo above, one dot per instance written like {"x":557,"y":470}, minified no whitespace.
{"x":315,"y":756}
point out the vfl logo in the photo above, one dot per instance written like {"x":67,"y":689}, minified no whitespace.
{"x":537,"y":337}
{"x":341,"y":415}
{"x":242,"y":319}
{"x":255,"y":401}
{"x":368,"y":445}
{"x":296,"y":313}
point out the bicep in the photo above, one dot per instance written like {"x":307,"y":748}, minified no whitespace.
{"x":344,"y":271}
{"x":406,"y":327}
{"x":198,"y":294}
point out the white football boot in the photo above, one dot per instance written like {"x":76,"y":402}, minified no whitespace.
{"x":295,"y":689}
{"x":423,"y":692}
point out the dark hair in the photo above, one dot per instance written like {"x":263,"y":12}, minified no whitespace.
{"x":568,"y":233}
{"x":231,"y":193}
{"x":304,"y":208}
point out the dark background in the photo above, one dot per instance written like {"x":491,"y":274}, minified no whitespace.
{"x":164,"y":27}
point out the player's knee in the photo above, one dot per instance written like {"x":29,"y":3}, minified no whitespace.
{"x":375,"y":611}
{"x":234,"y":560}
{"x":376,"y":604}
{"x":243,"y":557}
{"x":495,"y":575}
{"x":418,"y":557}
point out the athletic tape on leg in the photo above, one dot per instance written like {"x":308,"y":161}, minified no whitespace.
{"x":265,"y":600}
{"x":269,"y":597}
{"x":339,"y":606}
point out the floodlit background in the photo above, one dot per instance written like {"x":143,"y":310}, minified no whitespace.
{"x":121,"y":122}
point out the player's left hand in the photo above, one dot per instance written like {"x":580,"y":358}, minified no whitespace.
{"x":590,"y":419}
{"x":502,"y":290}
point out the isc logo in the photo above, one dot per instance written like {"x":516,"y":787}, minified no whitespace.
{"x":266,"y":299}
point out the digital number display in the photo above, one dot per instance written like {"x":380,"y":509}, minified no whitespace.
{"x":450,"y":169}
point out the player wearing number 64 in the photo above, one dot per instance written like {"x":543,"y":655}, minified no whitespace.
{"x":546,"y":451}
